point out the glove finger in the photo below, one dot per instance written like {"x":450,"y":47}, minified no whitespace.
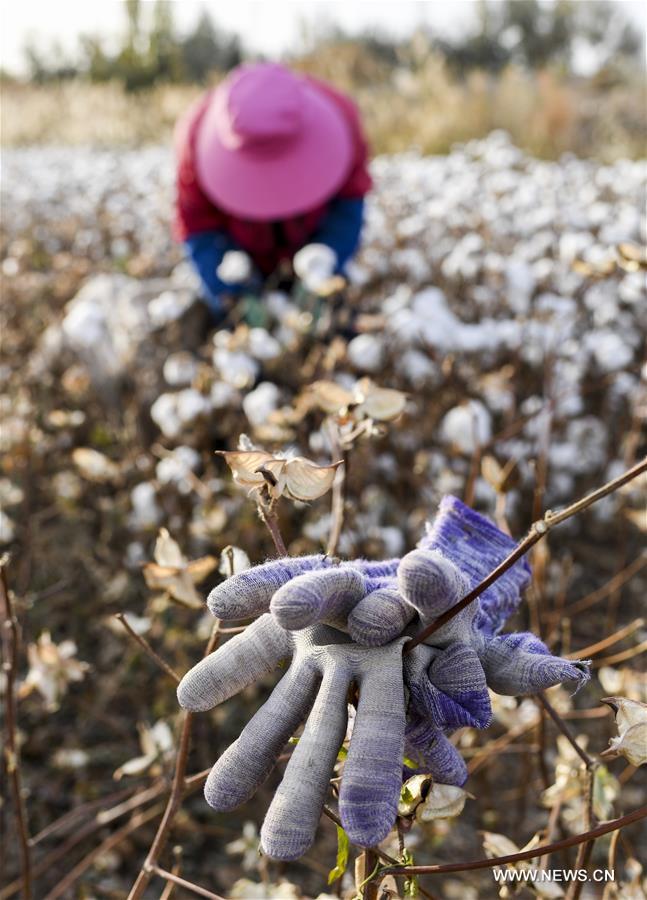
{"x":521,"y":664}
{"x":291,"y":821}
{"x":245,"y":765}
{"x":249,"y":593}
{"x":438,"y":755}
{"x":325,"y":596}
{"x":242,"y":660}
{"x":372,"y":778}
{"x":380,"y":617}
{"x":377,"y":571}
{"x":449,"y":686}
{"x":432,"y":584}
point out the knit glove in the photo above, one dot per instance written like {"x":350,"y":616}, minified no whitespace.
{"x":375,"y":602}
{"x":324,"y":663}
{"x":363,"y":597}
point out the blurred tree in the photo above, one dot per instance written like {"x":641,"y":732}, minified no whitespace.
{"x":206,"y":49}
{"x":534,"y":34}
{"x":53,"y":65}
{"x":164,"y":51}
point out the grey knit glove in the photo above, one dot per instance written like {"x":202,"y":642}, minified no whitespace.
{"x":324,"y":663}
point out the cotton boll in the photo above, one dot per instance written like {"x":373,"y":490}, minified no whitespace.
{"x":278,"y":305}
{"x":573,"y":244}
{"x":165,"y":415}
{"x":146,"y":512}
{"x":609,"y":350}
{"x":584,"y":448}
{"x":235,"y":267}
{"x":235,"y":367}
{"x":633,"y":289}
{"x":357,"y":274}
{"x":416,"y":367}
{"x":224,"y":396}
{"x":180,"y":369}
{"x":191,"y":405}
{"x":262,"y":345}
{"x":176,"y":467}
{"x":520,"y":285}
{"x":392,"y":540}
{"x":366,"y":352}
{"x":260,"y":402}
{"x":7,"y":528}
{"x":467,"y":426}
{"x":314,"y":264}
{"x":169,"y":306}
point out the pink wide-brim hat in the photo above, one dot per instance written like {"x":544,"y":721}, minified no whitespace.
{"x":271,"y":145}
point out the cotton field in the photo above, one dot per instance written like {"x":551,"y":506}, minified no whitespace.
{"x":489,"y":343}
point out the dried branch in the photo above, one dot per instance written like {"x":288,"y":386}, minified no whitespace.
{"x":143,"y":643}
{"x":612,"y":585}
{"x":623,"y":656}
{"x":80,"y":834}
{"x":80,"y":812}
{"x":108,"y":844}
{"x":534,"y":853}
{"x":271,"y":520}
{"x":194,"y":888}
{"x":566,"y":731}
{"x":10,"y":649}
{"x":338,"y":506}
{"x":609,"y":641}
{"x":537,"y":531}
{"x":178,"y":788}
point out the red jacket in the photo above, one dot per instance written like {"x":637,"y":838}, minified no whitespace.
{"x":195,"y":213}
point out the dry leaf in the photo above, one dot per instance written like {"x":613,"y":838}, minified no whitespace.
{"x":444,"y":801}
{"x":94,"y":465}
{"x":631,"y":719}
{"x":306,"y":481}
{"x":330,"y":397}
{"x":412,"y":794}
{"x":174,"y":574}
{"x":51,"y":668}
{"x":498,"y":476}
{"x":245,"y":465}
{"x":297,"y":478}
{"x":381,"y":404}
{"x":156,"y":744}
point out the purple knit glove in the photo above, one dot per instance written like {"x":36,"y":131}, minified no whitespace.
{"x":363,"y":597}
{"x":324,"y":664}
{"x":460,"y":548}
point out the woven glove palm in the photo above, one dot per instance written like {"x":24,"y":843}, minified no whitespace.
{"x":324,"y":664}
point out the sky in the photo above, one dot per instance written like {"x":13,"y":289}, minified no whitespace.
{"x":267,"y":26}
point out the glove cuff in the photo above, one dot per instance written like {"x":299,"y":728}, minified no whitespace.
{"x":476,"y":546}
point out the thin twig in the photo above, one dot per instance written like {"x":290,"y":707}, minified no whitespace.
{"x":79,"y":812}
{"x":194,"y":888}
{"x":177,"y":792}
{"x":112,"y":841}
{"x":537,"y":531}
{"x":623,"y":656}
{"x":588,"y":761}
{"x":615,"y":638}
{"x":143,"y":643}
{"x":612,"y":585}
{"x":10,"y":650}
{"x":338,"y":505}
{"x":366,"y":866}
{"x":534,"y":853}
{"x":270,"y":518}
{"x":62,"y":851}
